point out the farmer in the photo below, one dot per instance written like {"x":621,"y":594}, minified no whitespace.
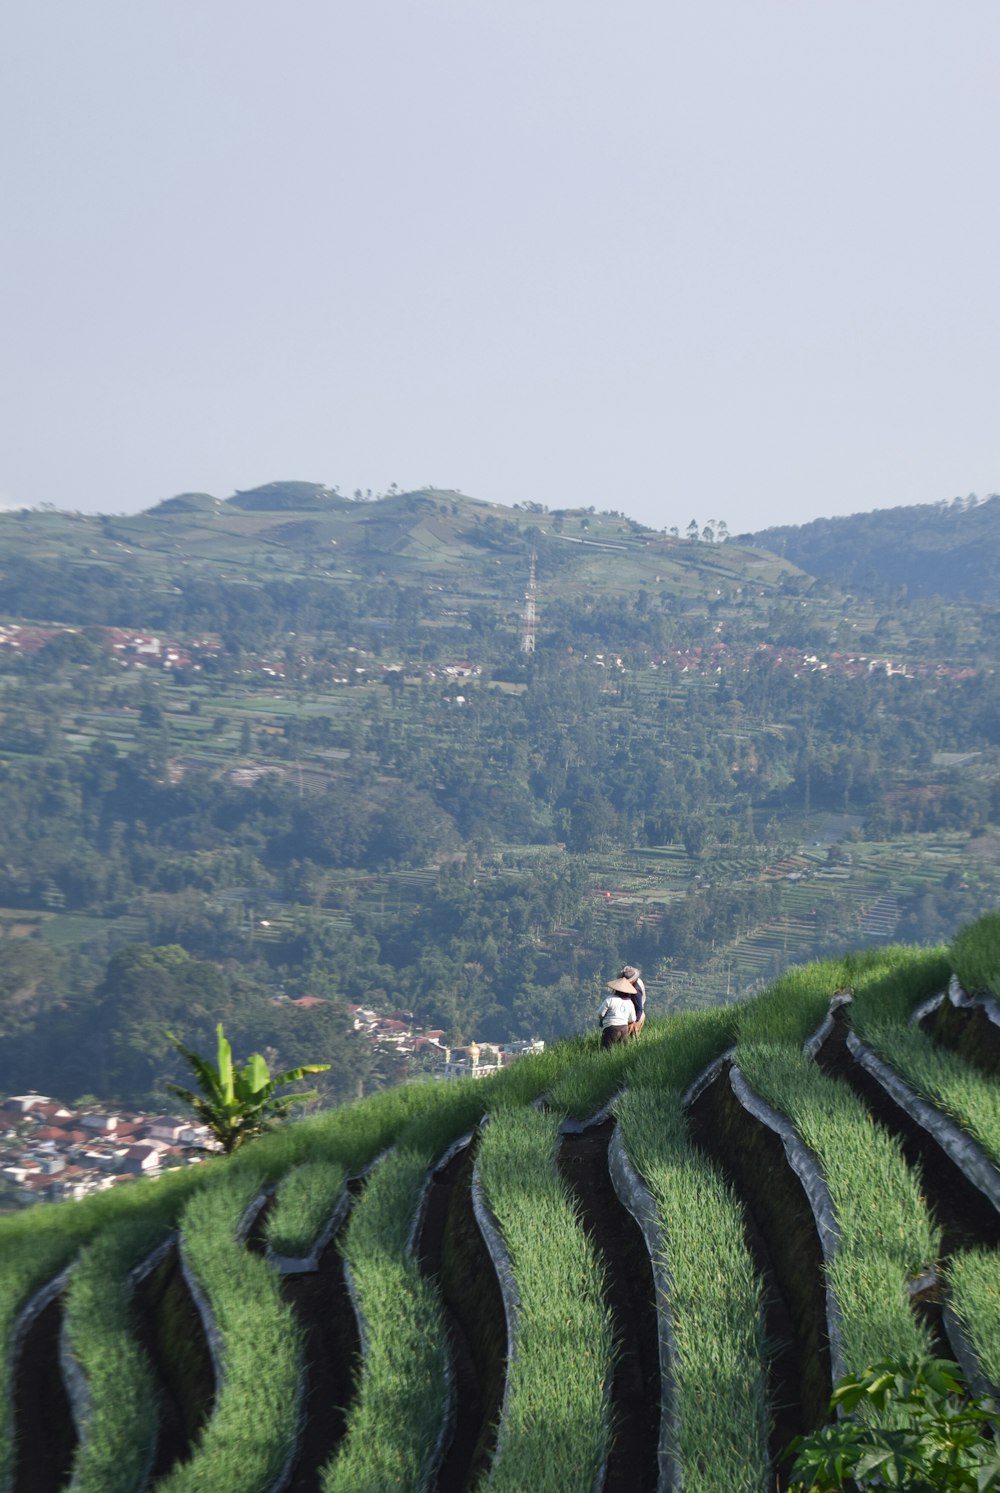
{"x":616,"y":1012}
{"x":630,"y":973}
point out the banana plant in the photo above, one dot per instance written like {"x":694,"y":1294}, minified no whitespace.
{"x":237,"y":1104}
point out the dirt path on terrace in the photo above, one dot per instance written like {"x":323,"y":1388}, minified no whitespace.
{"x":636,"y":1389}
{"x":332,"y":1356}
{"x":780,"y":1233}
{"x":170,"y":1330}
{"x":45,"y":1437}
{"x":448,"y":1197}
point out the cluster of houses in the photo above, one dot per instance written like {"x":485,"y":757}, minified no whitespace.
{"x":134,"y":648}
{"x":399,"y":1033}
{"x":144,"y":650}
{"x":49,"y":1151}
{"x":720,"y":658}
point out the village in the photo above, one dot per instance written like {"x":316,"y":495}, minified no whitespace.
{"x":143,"y":651}
{"x":50,"y":1151}
{"x":399,"y":1035}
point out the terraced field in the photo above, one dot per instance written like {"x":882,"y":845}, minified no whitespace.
{"x":635,"y":1269}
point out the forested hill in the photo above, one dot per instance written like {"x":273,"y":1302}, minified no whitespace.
{"x":945,"y":549}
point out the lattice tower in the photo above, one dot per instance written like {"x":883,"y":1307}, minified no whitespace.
{"x":529,"y":623}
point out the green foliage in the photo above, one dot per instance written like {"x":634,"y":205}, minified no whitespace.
{"x":252,"y":1430}
{"x":238,"y":1104}
{"x":116,"y":1452}
{"x":304,"y":1202}
{"x":563,"y":1351}
{"x":402,"y":1392}
{"x":975,"y":954}
{"x":719,"y":1389}
{"x":931,"y":548}
{"x":908,"y":1424}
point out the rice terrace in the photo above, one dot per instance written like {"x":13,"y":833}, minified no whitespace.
{"x":642,"y":1268}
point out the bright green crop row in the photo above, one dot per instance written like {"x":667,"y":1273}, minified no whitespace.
{"x":880,"y":1015}
{"x":975,"y":955}
{"x":116,"y":1451}
{"x":890,"y":991}
{"x":970,"y":1096}
{"x":719,"y":1389}
{"x":397,"y":1416}
{"x":36,"y":1244}
{"x":886,"y":1235}
{"x":974,"y":1277}
{"x":252,"y":1431}
{"x":793,"y":1007}
{"x":304,"y":1203}
{"x":562,"y":1364}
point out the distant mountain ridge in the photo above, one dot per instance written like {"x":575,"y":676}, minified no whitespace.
{"x":945,"y":549}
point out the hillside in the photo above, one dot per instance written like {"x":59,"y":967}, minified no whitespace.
{"x":277,"y":756}
{"x":930,"y":549}
{"x":394,"y":1294}
{"x":131,"y":569}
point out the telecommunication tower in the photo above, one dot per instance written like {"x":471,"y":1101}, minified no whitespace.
{"x":528,"y":621}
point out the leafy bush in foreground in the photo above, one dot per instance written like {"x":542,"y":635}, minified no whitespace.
{"x":942,"y":1441}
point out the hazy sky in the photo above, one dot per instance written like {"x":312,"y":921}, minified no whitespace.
{"x":735,"y":259}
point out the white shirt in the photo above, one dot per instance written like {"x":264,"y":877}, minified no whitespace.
{"x":616,"y":1010}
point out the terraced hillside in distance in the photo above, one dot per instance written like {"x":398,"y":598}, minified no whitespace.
{"x":324,"y":746}
{"x":640,"y":1268}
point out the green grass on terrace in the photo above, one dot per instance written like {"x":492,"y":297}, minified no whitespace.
{"x":563,"y":1340}
{"x":402,"y":1394}
{"x":117,"y":1450}
{"x":974,"y":1278}
{"x":975,"y":954}
{"x":251,"y":1432}
{"x":719,"y":1399}
{"x":306,"y":1197}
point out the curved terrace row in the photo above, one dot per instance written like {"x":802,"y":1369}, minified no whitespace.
{"x":638,"y":1269}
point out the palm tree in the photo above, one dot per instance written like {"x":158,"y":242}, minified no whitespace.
{"x":239,"y":1103}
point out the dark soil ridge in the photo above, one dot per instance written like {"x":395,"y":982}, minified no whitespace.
{"x":967,"y":1028}
{"x":331,"y":1353}
{"x":782,"y":1236}
{"x":629,"y":1293}
{"x":966,"y":1217}
{"x":472,"y":1294}
{"x":169,"y":1329}
{"x":45,"y":1437}
{"x":467,"y":1421}
{"x":316,"y":1288}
